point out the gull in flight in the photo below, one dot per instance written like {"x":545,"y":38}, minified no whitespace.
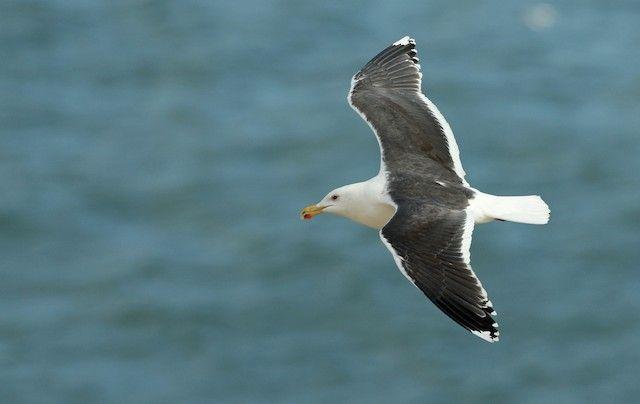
{"x":420,"y":201}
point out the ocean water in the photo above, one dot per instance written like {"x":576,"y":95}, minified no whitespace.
{"x":154,"y":156}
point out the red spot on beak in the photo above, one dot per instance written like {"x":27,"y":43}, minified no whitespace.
{"x":307,"y":216}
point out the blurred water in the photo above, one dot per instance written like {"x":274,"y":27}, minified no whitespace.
{"x":154,"y":156}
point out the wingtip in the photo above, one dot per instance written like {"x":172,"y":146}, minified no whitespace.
{"x":489,"y":336}
{"x":406,"y":40}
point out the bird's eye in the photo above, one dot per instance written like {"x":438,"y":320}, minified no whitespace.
{"x":334,"y":197}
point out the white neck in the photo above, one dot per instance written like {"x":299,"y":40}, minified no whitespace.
{"x":369,"y":203}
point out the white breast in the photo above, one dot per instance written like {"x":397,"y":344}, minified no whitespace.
{"x":374,"y":207}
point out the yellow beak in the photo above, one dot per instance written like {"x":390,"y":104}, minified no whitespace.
{"x":310,"y":211}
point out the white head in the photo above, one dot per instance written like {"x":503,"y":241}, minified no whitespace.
{"x":341,"y":201}
{"x":358,"y":202}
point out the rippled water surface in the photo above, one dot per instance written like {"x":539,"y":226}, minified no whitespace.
{"x":154,"y":156}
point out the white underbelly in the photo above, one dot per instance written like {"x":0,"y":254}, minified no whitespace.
{"x":376,"y":215}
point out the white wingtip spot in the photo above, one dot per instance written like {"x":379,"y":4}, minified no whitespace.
{"x":486,"y":335}
{"x":489,"y":305}
{"x":405,"y":41}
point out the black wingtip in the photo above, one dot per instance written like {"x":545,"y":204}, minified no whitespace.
{"x":397,"y":66}
{"x":489,"y":332}
{"x":405,"y":40}
{"x":409,"y":44}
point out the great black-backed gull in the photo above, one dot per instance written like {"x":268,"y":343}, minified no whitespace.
{"x":419,"y":200}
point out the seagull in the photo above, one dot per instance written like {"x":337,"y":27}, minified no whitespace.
{"x":419,"y":201}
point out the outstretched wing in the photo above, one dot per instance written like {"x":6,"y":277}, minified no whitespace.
{"x":386,"y":93}
{"x":430,"y":245}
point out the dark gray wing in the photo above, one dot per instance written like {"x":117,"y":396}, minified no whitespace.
{"x":430,"y":245}
{"x":386,"y":93}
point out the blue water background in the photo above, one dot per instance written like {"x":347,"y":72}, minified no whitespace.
{"x":154,"y":156}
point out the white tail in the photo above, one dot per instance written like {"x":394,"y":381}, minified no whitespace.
{"x":529,"y":209}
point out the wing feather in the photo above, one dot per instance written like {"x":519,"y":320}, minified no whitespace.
{"x":386,"y":92}
{"x":429,"y":249}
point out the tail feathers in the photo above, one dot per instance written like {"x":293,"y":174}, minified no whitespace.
{"x":530,"y":209}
